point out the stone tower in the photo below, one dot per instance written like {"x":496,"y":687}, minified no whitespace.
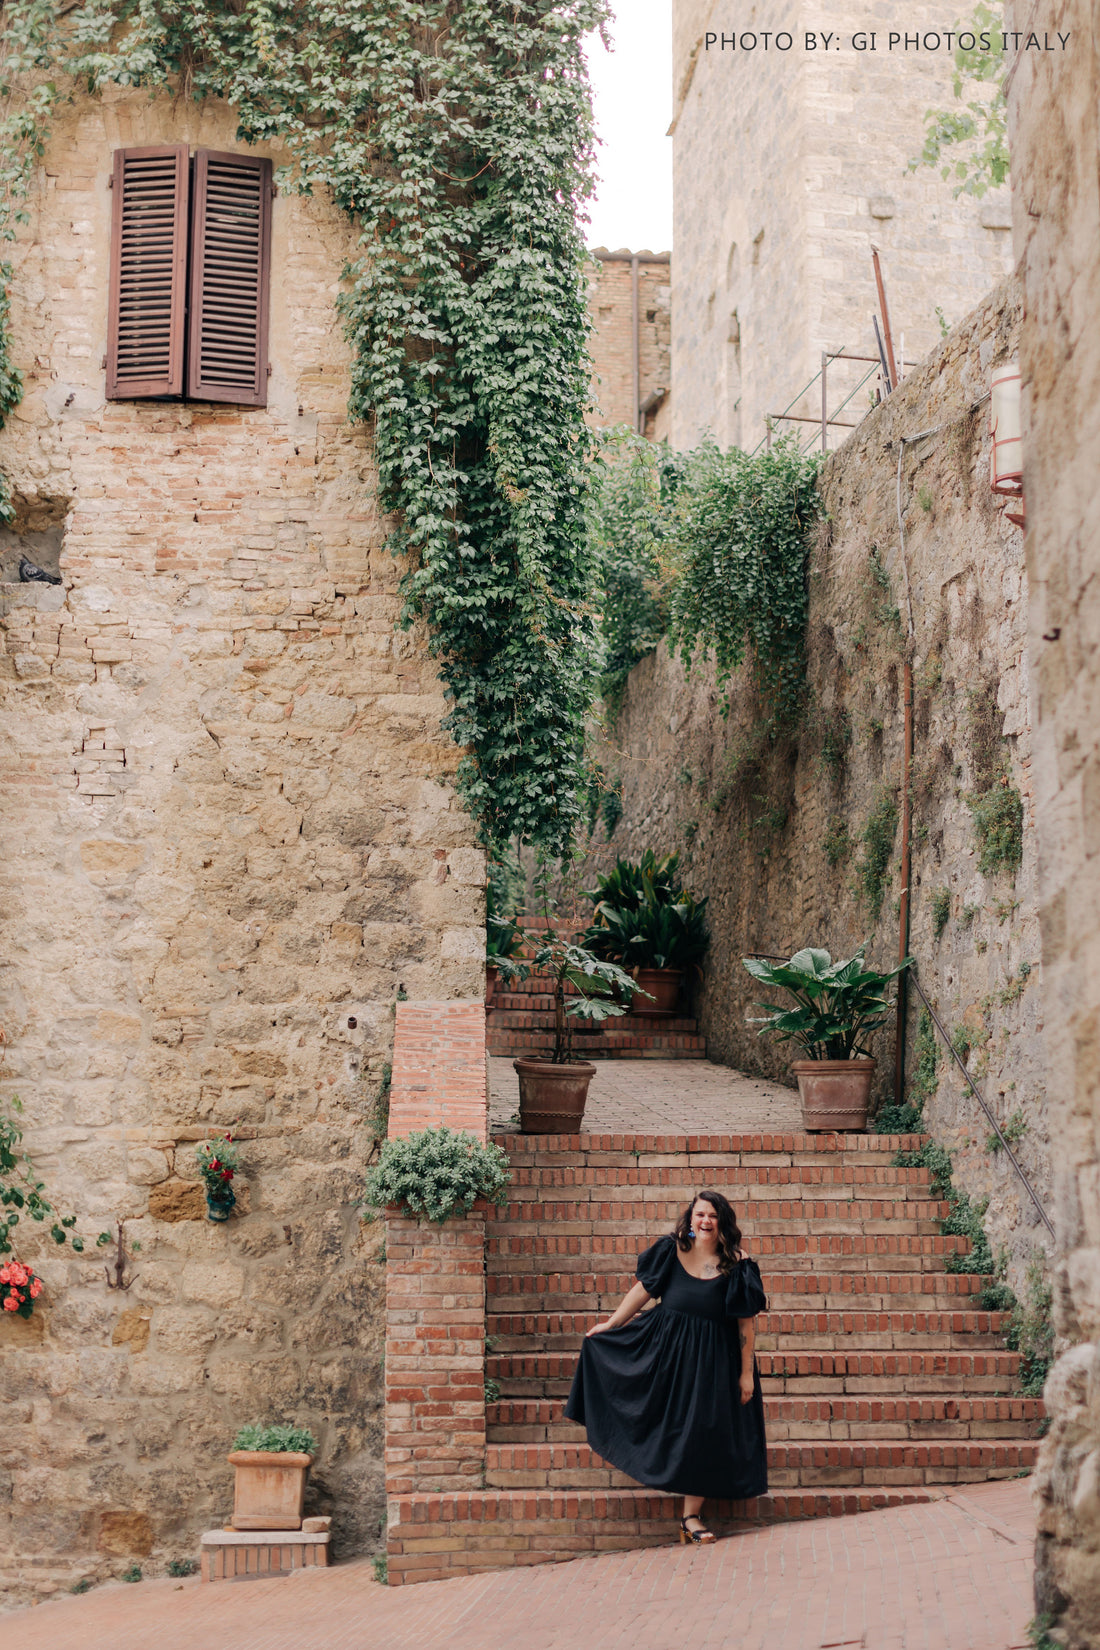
{"x":789,"y":163}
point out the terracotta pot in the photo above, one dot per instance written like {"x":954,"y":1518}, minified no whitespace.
{"x":270,"y":1489}
{"x":663,"y":985}
{"x":551,"y":1098}
{"x":834,"y":1094}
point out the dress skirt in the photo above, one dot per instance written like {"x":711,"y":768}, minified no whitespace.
{"x":659,"y":1397}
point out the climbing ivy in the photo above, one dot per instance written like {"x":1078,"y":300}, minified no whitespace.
{"x":740,"y":549}
{"x":457,"y":136}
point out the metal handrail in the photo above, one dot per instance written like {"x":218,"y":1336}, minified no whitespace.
{"x":770,"y":956}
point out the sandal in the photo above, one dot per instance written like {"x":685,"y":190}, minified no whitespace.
{"x":699,"y":1538}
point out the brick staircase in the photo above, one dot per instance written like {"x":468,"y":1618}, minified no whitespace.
{"x":521,"y":1021}
{"x":881,"y":1380}
{"x":883,"y":1384}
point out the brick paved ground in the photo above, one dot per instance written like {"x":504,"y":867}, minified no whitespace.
{"x":951,"y":1575}
{"x":665,"y":1097}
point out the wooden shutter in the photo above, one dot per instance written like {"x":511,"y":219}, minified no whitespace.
{"x":230,"y":269}
{"x":148,"y":273}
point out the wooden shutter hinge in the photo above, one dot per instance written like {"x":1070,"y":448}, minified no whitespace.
{"x":103,"y":364}
{"x":269,"y":369}
{"x":111,"y":181}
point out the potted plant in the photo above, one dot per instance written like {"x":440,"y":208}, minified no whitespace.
{"x":553,"y":1092}
{"x":218,"y":1162}
{"x":270,"y":1466}
{"x":645,"y":921}
{"x":837,"y":1005}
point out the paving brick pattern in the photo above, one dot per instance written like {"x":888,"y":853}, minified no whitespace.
{"x":951,"y":1574}
{"x":658,"y":1097}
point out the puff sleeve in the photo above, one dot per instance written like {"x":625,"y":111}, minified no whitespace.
{"x":655,"y":1264}
{"x":745,"y":1295}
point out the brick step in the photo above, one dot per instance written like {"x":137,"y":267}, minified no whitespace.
{"x":626,"y":1045}
{"x":841,"y":1253}
{"x":646,"y":1219}
{"x":790,"y":1465}
{"x":790,"y":1332}
{"x":536,"y":1374}
{"x":540,"y":1420}
{"x":760,"y":1180}
{"x":555,"y":1150}
{"x":844,"y":1291}
{"x":517,"y":1013}
{"x":431,"y":1537}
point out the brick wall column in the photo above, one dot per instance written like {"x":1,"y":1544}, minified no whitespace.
{"x":435,"y":1275}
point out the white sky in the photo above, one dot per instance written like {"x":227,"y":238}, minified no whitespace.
{"x":633,"y":98}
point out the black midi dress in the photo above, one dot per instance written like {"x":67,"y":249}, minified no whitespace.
{"x":659,"y":1396}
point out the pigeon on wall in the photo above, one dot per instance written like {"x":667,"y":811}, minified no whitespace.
{"x":30,"y":574}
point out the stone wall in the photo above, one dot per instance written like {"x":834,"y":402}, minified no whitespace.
{"x":787,"y":167}
{"x":230,"y":844}
{"x":611,"y":305}
{"x":1056,"y":208}
{"x":775,"y":836}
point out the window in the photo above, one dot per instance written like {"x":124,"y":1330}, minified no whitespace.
{"x":189,"y":276}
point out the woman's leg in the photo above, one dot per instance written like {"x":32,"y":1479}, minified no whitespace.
{"x":692,"y":1523}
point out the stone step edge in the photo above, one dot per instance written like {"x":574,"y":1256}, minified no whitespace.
{"x":569,"y":1455}
{"x":782,"y":1141}
{"x":783,"y":1407}
{"x":435,"y":1537}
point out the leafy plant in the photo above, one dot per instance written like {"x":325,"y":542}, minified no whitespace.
{"x":437,"y":1174}
{"x":278,"y":1440}
{"x":970,"y":143}
{"x":182,"y":1566}
{"x":643,"y":918}
{"x":503,"y":898}
{"x":629,"y":518}
{"x":998,"y":815}
{"x":908,"y":1117}
{"x":1031,"y":1332}
{"x":581,"y":984}
{"x":739,"y":551}
{"x":134,"y":1573}
{"x":84,"y":1585}
{"x":965,"y":1216}
{"x":836,"y":842}
{"x":941,"y":911}
{"x":218,"y":1162}
{"x":877,"y":839}
{"x":22,"y":1194}
{"x":380,"y":1565}
{"x":838,"y":1005}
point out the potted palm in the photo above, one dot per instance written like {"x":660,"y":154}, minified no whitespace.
{"x":553,"y":1092}
{"x":837,"y":1006}
{"x":645,"y":921}
{"x":270,"y":1465}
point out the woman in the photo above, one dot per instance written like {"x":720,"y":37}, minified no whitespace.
{"x":672,"y":1396}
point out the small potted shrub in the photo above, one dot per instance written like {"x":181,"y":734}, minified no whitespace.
{"x":837,"y":1006}
{"x":270,"y":1464}
{"x":648,"y":924}
{"x":436,"y":1174}
{"x":218,"y":1162}
{"x":553,"y":1092}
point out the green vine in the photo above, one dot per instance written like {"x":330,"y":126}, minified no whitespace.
{"x":22,"y":1194}
{"x":457,"y":137}
{"x":740,"y":550}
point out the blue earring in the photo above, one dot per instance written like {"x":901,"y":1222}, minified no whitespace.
{"x":691,"y":1231}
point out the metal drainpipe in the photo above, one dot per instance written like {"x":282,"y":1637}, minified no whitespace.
{"x":636,"y":342}
{"x":903,"y":914}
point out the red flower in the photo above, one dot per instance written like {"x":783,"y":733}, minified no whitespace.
{"x":227,"y":1174}
{"x":214,"y":1164}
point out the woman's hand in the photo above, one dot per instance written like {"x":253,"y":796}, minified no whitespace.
{"x":746,"y":1386}
{"x":598,"y":1328}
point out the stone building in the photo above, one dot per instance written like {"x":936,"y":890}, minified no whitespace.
{"x":230,"y":846}
{"x":629,"y":304}
{"x":1053,"y":102}
{"x":788,"y":165}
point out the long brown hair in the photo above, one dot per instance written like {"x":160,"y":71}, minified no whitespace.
{"x":729,"y":1233}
